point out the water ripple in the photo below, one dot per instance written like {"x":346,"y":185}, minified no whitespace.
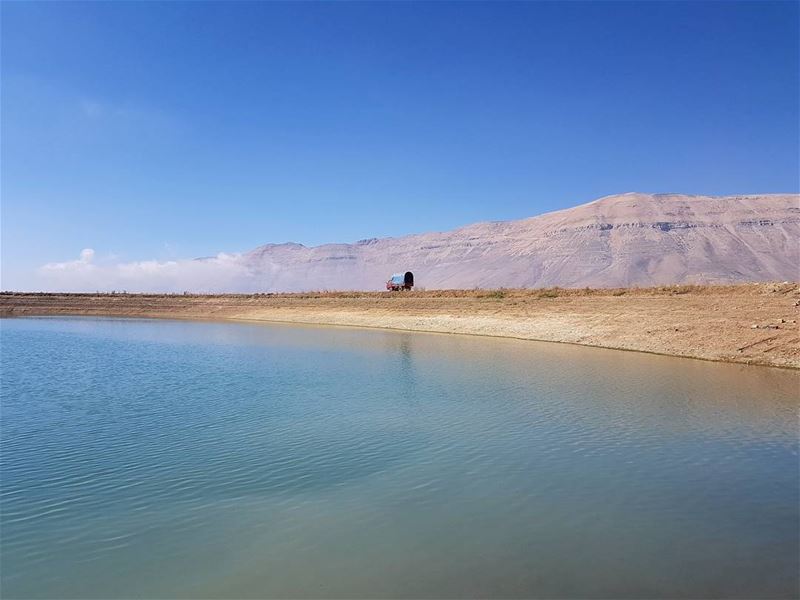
{"x":216,"y":460}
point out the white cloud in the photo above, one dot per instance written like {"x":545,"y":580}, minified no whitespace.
{"x":222,"y":273}
{"x":84,"y":264}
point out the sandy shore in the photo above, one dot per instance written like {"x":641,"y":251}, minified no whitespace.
{"x":753,"y":324}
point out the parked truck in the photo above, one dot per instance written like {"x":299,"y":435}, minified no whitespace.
{"x":400,"y":281}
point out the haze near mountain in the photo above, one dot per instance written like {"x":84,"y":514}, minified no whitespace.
{"x":624,"y":240}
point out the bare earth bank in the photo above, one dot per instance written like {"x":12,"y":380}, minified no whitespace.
{"x":753,"y":324}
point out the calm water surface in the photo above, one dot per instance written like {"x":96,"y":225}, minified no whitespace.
{"x":184,"y":459}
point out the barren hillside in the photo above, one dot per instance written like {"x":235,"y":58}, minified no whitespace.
{"x":624,"y":240}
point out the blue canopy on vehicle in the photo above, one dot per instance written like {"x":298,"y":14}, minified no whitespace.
{"x":398,"y":278}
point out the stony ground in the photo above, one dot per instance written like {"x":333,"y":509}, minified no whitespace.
{"x":754,"y":323}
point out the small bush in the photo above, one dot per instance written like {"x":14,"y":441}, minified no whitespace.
{"x":495,"y":294}
{"x":683,"y":289}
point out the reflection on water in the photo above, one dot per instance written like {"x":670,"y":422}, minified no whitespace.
{"x":177,"y":459}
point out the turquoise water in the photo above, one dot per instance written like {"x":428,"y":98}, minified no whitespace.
{"x":166,"y":459}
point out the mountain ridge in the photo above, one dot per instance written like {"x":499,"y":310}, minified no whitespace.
{"x":365,"y":241}
{"x":617,"y":240}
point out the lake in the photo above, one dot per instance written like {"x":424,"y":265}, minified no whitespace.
{"x":176,"y":459}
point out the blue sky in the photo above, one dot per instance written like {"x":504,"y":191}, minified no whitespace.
{"x":158,"y":131}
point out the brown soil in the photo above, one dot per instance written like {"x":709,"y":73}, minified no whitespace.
{"x":754,"y":324}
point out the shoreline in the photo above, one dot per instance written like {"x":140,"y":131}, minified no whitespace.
{"x":746,"y":324}
{"x":432,"y":332}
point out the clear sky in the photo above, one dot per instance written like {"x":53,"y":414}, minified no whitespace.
{"x":150,"y":130}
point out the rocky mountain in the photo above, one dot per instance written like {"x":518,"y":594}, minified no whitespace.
{"x":623,"y":240}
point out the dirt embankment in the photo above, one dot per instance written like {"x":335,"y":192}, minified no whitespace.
{"x":755,"y":324}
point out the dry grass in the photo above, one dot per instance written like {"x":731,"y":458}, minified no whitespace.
{"x":521,"y":293}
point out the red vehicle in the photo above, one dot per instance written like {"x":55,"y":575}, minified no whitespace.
{"x":400,"y":281}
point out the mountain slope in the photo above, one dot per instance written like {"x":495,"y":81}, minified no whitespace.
{"x":624,"y":240}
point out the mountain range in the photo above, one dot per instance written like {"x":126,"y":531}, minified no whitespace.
{"x":631,"y":239}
